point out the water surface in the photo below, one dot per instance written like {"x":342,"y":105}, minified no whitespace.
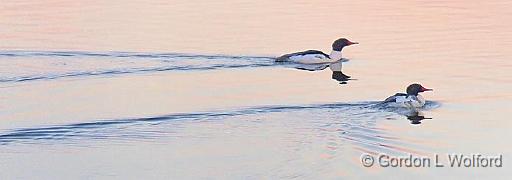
{"x":188,"y":89}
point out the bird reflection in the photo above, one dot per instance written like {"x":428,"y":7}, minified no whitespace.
{"x":340,"y":77}
{"x":335,"y":67}
{"x":337,"y":74}
{"x":416,"y":117}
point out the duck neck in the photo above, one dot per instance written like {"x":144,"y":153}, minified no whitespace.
{"x":335,"y":55}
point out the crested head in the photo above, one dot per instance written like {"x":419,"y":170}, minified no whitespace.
{"x":416,"y":88}
{"x":340,"y":43}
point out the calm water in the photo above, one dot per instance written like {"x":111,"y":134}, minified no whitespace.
{"x":188,"y":89}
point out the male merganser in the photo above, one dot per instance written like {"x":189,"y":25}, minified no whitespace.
{"x":410,"y":100}
{"x":318,"y":57}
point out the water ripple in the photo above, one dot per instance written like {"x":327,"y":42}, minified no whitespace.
{"x":352,"y":122}
{"x":22,"y":66}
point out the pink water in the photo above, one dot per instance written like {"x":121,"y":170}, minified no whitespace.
{"x":461,"y":49}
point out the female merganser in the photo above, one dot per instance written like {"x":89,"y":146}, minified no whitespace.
{"x":410,"y":100}
{"x":318,"y":57}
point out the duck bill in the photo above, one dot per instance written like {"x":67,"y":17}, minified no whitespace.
{"x":351,"y":43}
{"x":426,"y":89}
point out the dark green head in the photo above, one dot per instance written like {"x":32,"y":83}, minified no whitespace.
{"x":340,"y":43}
{"x":415,"y":88}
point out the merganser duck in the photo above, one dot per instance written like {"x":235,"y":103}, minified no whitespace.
{"x":334,"y":59}
{"x":410,"y":100}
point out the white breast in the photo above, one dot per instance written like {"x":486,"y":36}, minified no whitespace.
{"x":409,"y":101}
